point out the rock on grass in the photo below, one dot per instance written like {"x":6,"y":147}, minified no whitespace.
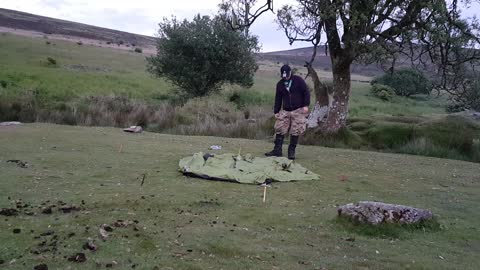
{"x":375,"y":213}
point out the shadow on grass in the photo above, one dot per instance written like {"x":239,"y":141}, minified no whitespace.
{"x":386,"y":231}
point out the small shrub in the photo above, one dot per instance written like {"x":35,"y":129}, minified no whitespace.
{"x":468,"y":100}
{"x":383,"y":92}
{"x":230,"y":57}
{"x":453,"y":107}
{"x":47,"y":42}
{"x":109,"y":42}
{"x":51,"y":61}
{"x":3,"y":83}
{"x":138,"y":50}
{"x":80,"y":43}
{"x":406,"y":82}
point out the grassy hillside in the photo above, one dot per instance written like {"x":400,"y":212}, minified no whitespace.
{"x":87,"y":70}
{"x":187,"y":223}
{"x":81,"y":70}
{"x":60,"y":28}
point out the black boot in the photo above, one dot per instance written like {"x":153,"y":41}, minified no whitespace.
{"x":277,"y":149}
{"x":292,"y":146}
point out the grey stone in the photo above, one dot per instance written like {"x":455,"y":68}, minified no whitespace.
{"x":378,"y":212}
{"x":134,"y":129}
{"x":13,"y":123}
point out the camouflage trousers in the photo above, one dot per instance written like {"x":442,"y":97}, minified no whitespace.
{"x":294,"y":121}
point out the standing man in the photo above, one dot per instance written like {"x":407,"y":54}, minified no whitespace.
{"x":293,"y":94}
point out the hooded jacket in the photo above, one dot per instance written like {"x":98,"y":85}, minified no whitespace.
{"x":297,"y":96}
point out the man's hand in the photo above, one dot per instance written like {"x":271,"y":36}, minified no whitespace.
{"x":305,"y":109}
{"x":277,"y":115}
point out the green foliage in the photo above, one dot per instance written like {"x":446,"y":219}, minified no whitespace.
{"x":138,"y":50}
{"x":406,"y":82}
{"x":467,"y":98}
{"x":452,"y":132}
{"x":383,"y":92}
{"x":51,"y":61}
{"x":199,"y":56}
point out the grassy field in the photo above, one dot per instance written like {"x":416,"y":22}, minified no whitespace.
{"x":176,"y":222}
{"x":81,"y":70}
{"x":187,"y":223}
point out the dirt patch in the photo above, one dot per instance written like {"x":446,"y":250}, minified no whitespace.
{"x":90,"y":245}
{"x":8,"y":212}
{"x":40,"y":267}
{"x":69,"y":208}
{"x":78,"y":257}
{"x":21,"y":164}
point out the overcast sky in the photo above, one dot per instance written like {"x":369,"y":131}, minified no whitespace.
{"x":142,"y":16}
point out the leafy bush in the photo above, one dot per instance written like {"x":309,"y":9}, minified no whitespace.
{"x":3,"y":83}
{"x":406,"y":82}
{"x":382,"y":91}
{"x":138,"y":50}
{"x":51,"y":61}
{"x":80,"y":43}
{"x":467,"y":99}
{"x":200,"y":56}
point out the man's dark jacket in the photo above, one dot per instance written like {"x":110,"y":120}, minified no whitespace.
{"x":297,"y":97}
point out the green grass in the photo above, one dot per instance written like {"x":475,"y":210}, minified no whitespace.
{"x":80,"y":71}
{"x":363,"y":103}
{"x":187,"y":223}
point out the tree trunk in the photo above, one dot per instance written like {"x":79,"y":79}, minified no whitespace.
{"x":331,"y":107}
{"x":338,"y":110}
{"x":323,"y":93}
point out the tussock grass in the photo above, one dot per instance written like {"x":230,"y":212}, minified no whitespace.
{"x":453,"y":137}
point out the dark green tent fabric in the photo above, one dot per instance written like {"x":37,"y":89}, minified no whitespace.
{"x":244,"y":169}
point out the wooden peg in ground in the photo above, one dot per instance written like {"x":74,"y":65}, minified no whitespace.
{"x":266,"y":185}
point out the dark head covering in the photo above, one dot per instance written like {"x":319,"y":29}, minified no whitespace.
{"x":285,"y":71}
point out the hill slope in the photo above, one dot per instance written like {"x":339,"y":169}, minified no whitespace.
{"x":15,"y":20}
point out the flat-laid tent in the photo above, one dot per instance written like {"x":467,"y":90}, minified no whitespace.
{"x":244,"y":169}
